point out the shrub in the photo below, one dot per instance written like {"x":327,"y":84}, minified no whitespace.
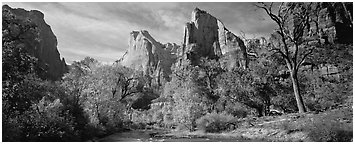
{"x":328,"y":128}
{"x":11,"y":129}
{"x":237,"y":109}
{"x":323,"y":94}
{"x":328,"y":132}
{"x":158,"y":117}
{"x":215,"y":122}
{"x":169,"y":121}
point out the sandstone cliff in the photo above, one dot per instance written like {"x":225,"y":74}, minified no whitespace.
{"x":46,"y":50}
{"x":206,"y":36}
{"x":149,"y":56}
{"x":329,"y":23}
{"x":332,"y":22}
{"x":338,"y":18}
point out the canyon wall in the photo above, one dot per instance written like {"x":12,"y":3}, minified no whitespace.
{"x":46,"y":49}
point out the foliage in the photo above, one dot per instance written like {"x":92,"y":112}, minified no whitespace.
{"x":215,"y":122}
{"x":188,"y":105}
{"x":325,"y":93}
{"x":103,"y":91}
{"x":45,"y":118}
{"x":330,"y":126}
{"x":32,"y":109}
{"x":17,"y":63}
{"x":186,"y":97}
{"x":326,"y":131}
{"x":326,"y":90}
{"x":47,"y":121}
{"x":20,"y":35}
{"x":144,"y":118}
{"x":241,"y":86}
{"x":285,"y":98}
{"x":236,"y":109}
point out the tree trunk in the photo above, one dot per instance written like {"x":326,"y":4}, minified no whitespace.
{"x":296,"y":90}
{"x":268,"y":109}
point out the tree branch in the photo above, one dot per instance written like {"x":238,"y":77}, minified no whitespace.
{"x":279,"y":51}
{"x":303,"y":58}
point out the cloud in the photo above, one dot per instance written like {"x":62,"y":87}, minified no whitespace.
{"x":101,"y":30}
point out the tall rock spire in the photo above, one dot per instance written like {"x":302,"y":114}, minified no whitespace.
{"x":206,"y":36}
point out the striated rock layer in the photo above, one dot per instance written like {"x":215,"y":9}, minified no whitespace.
{"x":206,"y":36}
{"x":46,"y":49}
{"x":335,"y":21}
{"x":331,"y":22}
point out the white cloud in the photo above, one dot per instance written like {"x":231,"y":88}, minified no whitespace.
{"x":171,"y":19}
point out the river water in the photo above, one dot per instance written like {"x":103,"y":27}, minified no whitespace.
{"x":151,"y":136}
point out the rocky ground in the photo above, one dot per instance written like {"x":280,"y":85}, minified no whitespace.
{"x":332,"y":125}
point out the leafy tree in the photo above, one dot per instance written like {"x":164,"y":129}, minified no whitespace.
{"x":104,"y":92}
{"x":241,"y":86}
{"x":185,"y":97}
{"x":207,"y":78}
{"x":269,"y":68}
{"x":17,"y":63}
{"x":110,"y":86}
{"x":48,"y":121}
{"x":39,"y":114}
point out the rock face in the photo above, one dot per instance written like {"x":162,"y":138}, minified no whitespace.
{"x":330,"y":23}
{"x":206,"y":36}
{"x":46,"y":49}
{"x":334,"y":22}
{"x":334,"y":26}
{"x":149,"y":56}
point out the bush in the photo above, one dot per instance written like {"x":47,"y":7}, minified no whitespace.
{"x":158,"y":117}
{"x":237,"y":109}
{"x":325,"y":127}
{"x":328,"y":132}
{"x":215,"y":122}
{"x":11,"y":129}
{"x":323,"y":94}
{"x":329,"y":127}
{"x":331,"y":134}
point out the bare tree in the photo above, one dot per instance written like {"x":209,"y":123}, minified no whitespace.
{"x":292,"y":20}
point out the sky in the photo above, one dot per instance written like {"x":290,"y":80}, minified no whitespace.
{"x":101,"y":29}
